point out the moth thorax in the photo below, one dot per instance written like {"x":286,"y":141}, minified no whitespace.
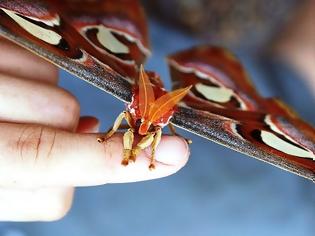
{"x":144,"y":127}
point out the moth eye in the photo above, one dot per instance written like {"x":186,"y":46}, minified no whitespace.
{"x":287,"y":147}
{"x":28,"y":24}
{"x":103,"y":38}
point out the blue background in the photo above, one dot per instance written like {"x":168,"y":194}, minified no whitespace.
{"x":219,"y":192}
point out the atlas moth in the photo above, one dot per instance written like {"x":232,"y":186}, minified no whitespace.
{"x":150,"y":109}
{"x":105,"y":42}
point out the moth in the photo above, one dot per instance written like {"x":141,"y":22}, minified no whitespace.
{"x":104,"y":42}
{"x":150,"y":109}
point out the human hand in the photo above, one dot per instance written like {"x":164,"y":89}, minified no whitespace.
{"x":46,"y":148}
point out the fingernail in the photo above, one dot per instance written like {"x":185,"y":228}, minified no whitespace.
{"x":96,"y":127}
{"x":88,"y":124}
{"x":173,"y":150}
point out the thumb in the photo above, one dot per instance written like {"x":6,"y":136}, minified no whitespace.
{"x":32,"y":155}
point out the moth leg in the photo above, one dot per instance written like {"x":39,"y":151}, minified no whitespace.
{"x":128,"y":142}
{"x":122,"y":126}
{"x":173,"y":132}
{"x":155,"y":143}
{"x":145,"y":142}
{"x":117,"y":124}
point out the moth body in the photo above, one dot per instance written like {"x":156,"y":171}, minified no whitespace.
{"x":150,"y":110}
{"x":142,"y":124}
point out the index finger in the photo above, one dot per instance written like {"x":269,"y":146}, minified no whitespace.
{"x":32,"y":155}
{"x":19,"y":62}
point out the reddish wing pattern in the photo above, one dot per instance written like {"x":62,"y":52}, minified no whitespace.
{"x":222,"y":92}
{"x":218,"y":77}
{"x":112,"y":29}
{"x":103,"y":42}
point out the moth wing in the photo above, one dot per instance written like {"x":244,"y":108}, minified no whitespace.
{"x":155,"y":79}
{"x":218,"y":78}
{"x":102,"y":42}
{"x":266,"y":129}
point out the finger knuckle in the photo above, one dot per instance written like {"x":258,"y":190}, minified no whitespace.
{"x":67,"y":109}
{"x":70,"y":105}
{"x":34,"y":142}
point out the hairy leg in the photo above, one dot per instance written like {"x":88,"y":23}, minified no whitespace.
{"x":145,"y":142}
{"x":117,"y":125}
{"x":128,"y":143}
{"x":155,"y":143}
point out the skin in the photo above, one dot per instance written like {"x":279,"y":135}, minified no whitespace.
{"x":296,"y":45}
{"x":46,"y":148}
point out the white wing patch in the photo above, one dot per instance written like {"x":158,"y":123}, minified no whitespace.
{"x":272,"y":126}
{"x":304,"y":153}
{"x":46,"y":35}
{"x":277,"y":143}
{"x":107,"y":39}
{"x":219,"y":94}
{"x":55,"y":21}
{"x":216,"y":94}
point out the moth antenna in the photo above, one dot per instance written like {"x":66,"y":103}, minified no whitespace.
{"x":146,"y":93}
{"x":165,"y":103}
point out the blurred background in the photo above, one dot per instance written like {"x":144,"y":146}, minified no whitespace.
{"x":219,"y":192}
